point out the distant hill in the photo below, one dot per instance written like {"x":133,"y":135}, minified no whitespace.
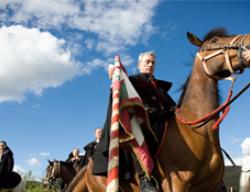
{"x":232,"y":177}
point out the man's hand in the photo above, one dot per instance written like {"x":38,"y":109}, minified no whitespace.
{"x":111,"y":71}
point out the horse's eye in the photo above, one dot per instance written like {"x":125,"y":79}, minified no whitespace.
{"x":214,"y":40}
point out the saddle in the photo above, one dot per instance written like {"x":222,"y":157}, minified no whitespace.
{"x":127,"y":170}
{"x":10,"y":181}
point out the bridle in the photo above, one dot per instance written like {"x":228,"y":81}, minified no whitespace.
{"x":53,"y":172}
{"x":49,"y":178}
{"x":218,"y":50}
{"x":224,"y":49}
{"x":55,"y":169}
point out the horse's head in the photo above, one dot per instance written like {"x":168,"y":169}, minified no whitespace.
{"x":52,"y":172}
{"x":56,"y":169}
{"x":220,"y":54}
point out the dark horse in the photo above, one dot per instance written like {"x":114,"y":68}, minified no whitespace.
{"x":190,"y":159}
{"x":59,"y":169}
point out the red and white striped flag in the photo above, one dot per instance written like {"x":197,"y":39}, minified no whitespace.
{"x":113,"y":163}
{"x":129,"y":114}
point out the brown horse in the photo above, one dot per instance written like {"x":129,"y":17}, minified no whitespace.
{"x":59,"y":169}
{"x":190,"y":159}
{"x":84,"y":181}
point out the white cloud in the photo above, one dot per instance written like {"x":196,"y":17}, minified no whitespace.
{"x":245,"y":146}
{"x":168,"y":30}
{"x":244,"y":160}
{"x":32,"y":61}
{"x":41,"y":12}
{"x":89,"y":43}
{"x":116,"y":24}
{"x":95,"y":63}
{"x":104,"y":63}
{"x":45,"y":154}
{"x":33,"y":162}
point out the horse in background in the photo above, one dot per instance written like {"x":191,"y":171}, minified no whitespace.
{"x":56,"y":170}
{"x":190,"y":159}
{"x":20,"y":187}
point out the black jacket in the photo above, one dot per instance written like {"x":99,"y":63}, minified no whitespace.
{"x":154,"y":94}
{"x":6,"y":162}
{"x":89,"y":151}
{"x":75,"y":163}
{"x":157,"y":103}
{"x":8,"y":178}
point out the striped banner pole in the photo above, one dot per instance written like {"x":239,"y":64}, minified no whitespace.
{"x":113,"y":164}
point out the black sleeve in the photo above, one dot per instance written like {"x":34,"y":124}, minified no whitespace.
{"x":10,"y":164}
{"x":104,"y":141}
{"x":101,"y":152}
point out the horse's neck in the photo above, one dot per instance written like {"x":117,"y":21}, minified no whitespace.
{"x":201,"y":94}
{"x":67,"y":172}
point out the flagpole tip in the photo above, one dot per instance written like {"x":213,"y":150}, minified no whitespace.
{"x":117,"y":58}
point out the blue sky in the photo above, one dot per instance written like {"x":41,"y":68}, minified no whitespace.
{"x":54,"y":57}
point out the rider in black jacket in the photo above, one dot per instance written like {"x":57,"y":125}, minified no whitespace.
{"x":159,"y":106}
{"x":6,"y":162}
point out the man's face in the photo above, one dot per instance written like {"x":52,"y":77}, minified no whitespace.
{"x":98,"y":133}
{"x":147,"y":64}
{"x":2,"y":146}
{"x":76,"y":152}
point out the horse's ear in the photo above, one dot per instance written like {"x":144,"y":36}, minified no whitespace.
{"x":50,"y":162}
{"x":194,"y":39}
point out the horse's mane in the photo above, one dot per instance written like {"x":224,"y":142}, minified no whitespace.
{"x":219,"y":32}
{"x":183,"y":89}
{"x":67,"y":164}
{"x":76,"y":179}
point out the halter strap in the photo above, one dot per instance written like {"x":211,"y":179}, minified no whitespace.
{"x":222,"y":50}
{"x":204,"y":60}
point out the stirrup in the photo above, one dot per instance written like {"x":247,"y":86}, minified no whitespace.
{"x":155,"y":181}
{"x":146,"y":185}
